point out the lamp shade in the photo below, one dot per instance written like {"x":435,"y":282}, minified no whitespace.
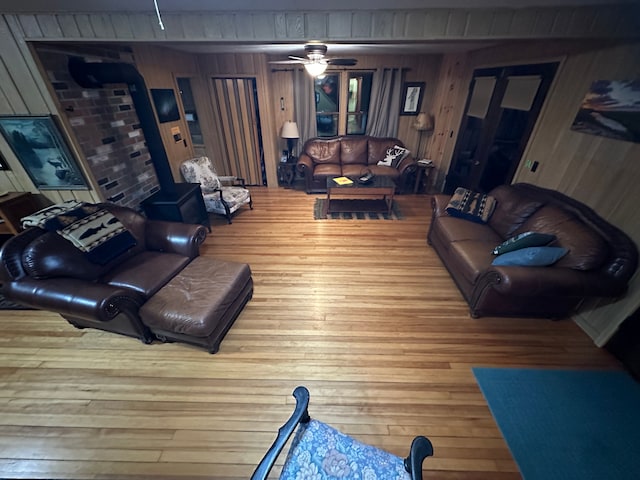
{"x":290,"y":130}
{"x":423,"y":122}
{"x":315,"y":68}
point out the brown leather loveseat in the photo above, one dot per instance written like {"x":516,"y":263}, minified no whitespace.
{"x":600,"y":260}
{"x":350,"y":156}
{"x":157,"y":288}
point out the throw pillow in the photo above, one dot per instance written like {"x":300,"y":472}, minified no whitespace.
{"x":394,"y":156}
{"x":469,"y":205}
{"x":93,"y":230}
{"x":524,"y":240}
{"x":531,"y":257}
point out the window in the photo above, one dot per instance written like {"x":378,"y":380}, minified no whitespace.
{"x":327,"y":104}
{"x":358,"y":102}
{"x":189,"y":105}
{"x":335,"y":117}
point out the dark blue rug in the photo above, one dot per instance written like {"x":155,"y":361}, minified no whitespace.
{"x":567,"y":424}
{"x":318,"y":210}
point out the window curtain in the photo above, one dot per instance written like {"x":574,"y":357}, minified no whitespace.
{"x":305,"y":105}
{"x":384,"y":107}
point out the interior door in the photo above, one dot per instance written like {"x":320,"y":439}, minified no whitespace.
{"x":501,"y":109}
{"x":235,"y":103}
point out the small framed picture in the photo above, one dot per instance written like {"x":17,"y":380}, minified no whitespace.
{"x":412,"y":93}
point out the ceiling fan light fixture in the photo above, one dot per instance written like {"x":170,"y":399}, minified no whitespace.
{"x":315,"y":68}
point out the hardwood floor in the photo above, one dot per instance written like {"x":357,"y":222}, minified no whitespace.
{"x":361,"y":312}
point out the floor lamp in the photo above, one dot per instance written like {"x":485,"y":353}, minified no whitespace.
{"x":423,"y":123}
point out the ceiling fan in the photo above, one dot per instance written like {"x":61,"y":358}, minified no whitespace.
{"x":316,"y":62}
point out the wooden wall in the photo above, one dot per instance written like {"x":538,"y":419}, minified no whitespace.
{"x":22,"y":89}
{"x":276,"y":83}
{"x":601,"y":172}
{"x":160,"y":66}
{"x":417,"y":68}
{"x":24,"y":92}
{"x":250,"y":66}
{"x":448,"y":106}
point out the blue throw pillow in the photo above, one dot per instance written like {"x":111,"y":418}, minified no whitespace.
{"x":523,"y":240}
{"x":531,"y":257}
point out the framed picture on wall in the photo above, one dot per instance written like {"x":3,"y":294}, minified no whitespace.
{"x":164,"y":99}
{"x":611,"y":109}
{"x":43,"y":152}
{"x":412,"y":93}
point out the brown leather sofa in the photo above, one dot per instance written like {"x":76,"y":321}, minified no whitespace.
{"x":350,"y":156}
{"x":43,"y":270}
{"x":600,"y":260}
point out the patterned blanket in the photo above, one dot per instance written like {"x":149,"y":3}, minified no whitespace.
{"x":470,"y":205}
{"x":90,"y":228}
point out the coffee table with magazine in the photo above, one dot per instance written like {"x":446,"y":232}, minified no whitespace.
{"x":375,"y":196}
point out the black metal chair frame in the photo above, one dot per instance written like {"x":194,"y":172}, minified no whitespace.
{"x":421,"y":447}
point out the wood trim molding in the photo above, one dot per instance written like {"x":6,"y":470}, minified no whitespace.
{"x":604,"y":21}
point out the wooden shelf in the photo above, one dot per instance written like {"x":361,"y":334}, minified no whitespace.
{"x":14,"y":206}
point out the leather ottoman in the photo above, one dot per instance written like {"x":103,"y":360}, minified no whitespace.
{"x":199,"y":305}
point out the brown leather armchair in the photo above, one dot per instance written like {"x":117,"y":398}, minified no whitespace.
{"x":43,"y":270}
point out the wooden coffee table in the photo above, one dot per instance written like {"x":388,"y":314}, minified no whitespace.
{"x":358,"y":197}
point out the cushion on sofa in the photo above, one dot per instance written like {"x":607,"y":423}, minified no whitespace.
{"x":469,"y":205}
{"x":512,"y":210}
{"x":454,"y":229}
{"x":393,"y":156}
{"x":587,"y":249}
{"x":353,"y":151}
{"x":472,"y":258}
{"x":327,"y":170}
{"x":324,"y":151}
{"x":50,"y":255}
{"x":524,"y":240}
{"x":378,"y":147}
{"x":531,"y":257}
{"x":147,"y":272}
{"x":451,"y":230}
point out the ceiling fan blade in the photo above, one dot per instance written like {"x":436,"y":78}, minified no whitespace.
{"x":300,"y":59}
{"x":286,"y":62}
{"x":345,"y":62}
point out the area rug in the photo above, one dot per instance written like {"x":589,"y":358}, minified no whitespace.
{"x":318,"y":208}
{"x":567,"y":424}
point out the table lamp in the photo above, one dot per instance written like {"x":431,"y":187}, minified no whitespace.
{"x":290,"y":133}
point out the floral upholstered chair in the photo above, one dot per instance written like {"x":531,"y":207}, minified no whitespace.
{"x":319,"y":452}
{"x":222,"y":194}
